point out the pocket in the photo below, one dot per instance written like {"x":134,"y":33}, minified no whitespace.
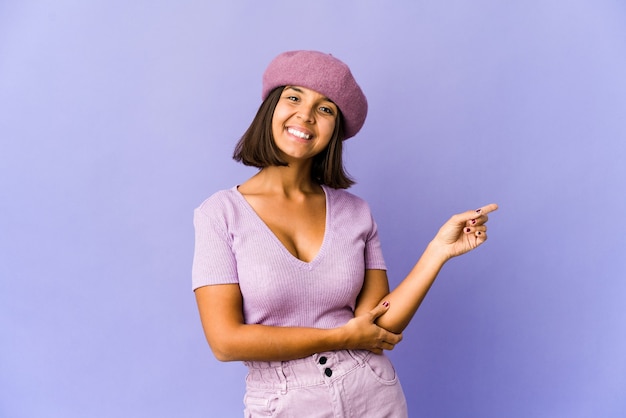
{"x":382,"y":369}
{"x":259,"y":403}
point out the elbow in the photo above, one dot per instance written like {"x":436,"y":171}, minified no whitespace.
{"x":223,"y":356}
{"x":223,"y":352}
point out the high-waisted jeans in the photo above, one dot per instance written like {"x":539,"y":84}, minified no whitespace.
{"x":335,"y":384}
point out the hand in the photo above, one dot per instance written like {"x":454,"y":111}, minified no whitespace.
{"x":364,"y":334}
{"x":463,"y":232}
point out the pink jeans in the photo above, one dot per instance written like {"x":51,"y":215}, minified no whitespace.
{"x":335,"y":384}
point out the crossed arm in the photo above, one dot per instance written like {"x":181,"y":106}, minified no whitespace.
{"x":380,"y":315}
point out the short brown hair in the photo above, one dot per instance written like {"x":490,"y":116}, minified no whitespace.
{"x":257,"y":148}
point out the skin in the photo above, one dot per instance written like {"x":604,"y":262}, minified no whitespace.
{"x":286,"y":196}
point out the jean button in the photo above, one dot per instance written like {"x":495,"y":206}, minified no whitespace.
{"x":323,"y":360}
{"x":328,"y":372}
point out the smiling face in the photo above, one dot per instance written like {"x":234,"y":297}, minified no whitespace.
{"x":303,"y":123}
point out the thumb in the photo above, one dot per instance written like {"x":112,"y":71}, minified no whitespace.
{"x":379,"y":309}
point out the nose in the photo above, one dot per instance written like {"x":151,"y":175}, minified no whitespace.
{"x":305,"y":113}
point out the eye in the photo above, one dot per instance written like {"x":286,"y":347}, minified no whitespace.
{"x":292,"y":98}
{"x":327,"y":110}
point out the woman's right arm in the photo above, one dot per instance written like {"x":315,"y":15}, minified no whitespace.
{"x":231,"y":339}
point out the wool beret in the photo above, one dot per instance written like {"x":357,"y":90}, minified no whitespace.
{"x":325,"y":74}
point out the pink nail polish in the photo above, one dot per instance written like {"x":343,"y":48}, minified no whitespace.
{"x":386,"y":304}
{"x":478,"y":210}
{"x":467,"y":229}
{"x":473,"y":221}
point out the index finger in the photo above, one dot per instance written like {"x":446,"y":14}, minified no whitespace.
{"x":486,"y":209}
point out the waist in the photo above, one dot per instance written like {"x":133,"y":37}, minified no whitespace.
{"x":318,"y":369}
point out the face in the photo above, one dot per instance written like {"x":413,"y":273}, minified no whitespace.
{"x":303,"y":122}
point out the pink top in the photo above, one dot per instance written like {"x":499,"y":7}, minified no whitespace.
{"x":233,"y":245}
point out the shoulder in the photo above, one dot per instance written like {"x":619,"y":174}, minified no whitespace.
{"x":347,"y":202}
{"x":345,"y":197}
{"x":221,"y":203}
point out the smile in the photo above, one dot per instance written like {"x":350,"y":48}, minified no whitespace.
{"x":299,"y":134}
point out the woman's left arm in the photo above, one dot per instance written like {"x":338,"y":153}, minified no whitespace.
{"x":460,"y":234}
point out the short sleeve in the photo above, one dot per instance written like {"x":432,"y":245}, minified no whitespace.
{"x":213,"y":259}
{"x":374,"y":259}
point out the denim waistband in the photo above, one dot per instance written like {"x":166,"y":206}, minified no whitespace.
{"x":318,"y":369}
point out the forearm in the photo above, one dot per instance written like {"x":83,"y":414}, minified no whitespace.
{"x":406,"y":298}
{"x":462,"y":233}
{"x":231,"y":339}
{"x":268,"y":343}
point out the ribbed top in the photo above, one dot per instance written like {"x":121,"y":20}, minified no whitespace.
{"x":234,"y":245}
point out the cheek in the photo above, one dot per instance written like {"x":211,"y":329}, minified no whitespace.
{"x":279,"y":116}
{"x":276,"y":124}
{"x":329,"y":128}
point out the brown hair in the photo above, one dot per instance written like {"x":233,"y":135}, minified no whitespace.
{"x":256,"y":147}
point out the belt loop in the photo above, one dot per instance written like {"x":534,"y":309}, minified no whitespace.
{"x":283,"y":379}
{"x":360,"y":356}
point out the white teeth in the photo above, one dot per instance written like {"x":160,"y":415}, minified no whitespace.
{"x":298,"y":133}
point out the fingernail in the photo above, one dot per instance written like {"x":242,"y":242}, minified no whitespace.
{"x":473,"y":221}
{"x":466,"y":229}
{"x":386,"y":304}
{"x":479,"y":233}
{"x":478,"y":210}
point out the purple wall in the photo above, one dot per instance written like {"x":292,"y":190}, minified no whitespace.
{"x":118,"y":118}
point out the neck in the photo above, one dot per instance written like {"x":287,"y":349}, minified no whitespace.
{"x":287,"y":181}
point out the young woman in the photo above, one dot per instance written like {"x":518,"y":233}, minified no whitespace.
{"x":288,"y":271}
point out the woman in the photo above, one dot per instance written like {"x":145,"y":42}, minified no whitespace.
{"x":288,"y":271}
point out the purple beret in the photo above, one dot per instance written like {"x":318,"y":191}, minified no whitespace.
{"x":326,"y":75}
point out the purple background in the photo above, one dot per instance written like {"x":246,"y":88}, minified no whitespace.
{"x":118,"y":118}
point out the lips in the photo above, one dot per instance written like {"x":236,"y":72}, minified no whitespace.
{"x":299,"y":133}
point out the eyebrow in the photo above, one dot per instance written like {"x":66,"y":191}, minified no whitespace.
{"x":300,"y":91}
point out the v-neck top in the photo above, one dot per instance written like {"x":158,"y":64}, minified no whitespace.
{"x":234,"y":246}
